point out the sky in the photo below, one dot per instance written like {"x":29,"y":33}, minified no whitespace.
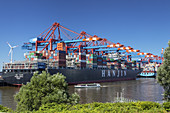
{"x":141,"y":24}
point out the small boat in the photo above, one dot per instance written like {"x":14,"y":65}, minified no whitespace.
{"x":148,"y":74}
{"x":87,"y":85}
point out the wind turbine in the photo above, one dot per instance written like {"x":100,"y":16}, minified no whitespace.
{"x":11,"y":50}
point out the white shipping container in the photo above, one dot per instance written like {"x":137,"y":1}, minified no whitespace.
{"x":82,"y":60}
{"x":35,"y":58}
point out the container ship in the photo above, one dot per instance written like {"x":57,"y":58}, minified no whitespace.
{"x":82,"y":58}
{"x":76,"y":72}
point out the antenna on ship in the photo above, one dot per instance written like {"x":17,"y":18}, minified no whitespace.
{"x":11,"y":50}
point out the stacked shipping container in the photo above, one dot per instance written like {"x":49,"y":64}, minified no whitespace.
{"x":70,"y":60}
{"x":104,"y":62}
{"x":56,"y":58}
{"x":32,"y":55}
{"x":81,"y":60}
{"x":78,"y":60}
{"x":91,"y":61}
{"x":99,"y":62}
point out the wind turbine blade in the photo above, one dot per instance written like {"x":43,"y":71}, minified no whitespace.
{"x":9,"y":45}
{"x":10,"y":51}
{"x":15,"y":46}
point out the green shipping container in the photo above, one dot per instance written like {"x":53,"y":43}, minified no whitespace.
{"x":32,"y":54}
{"x":111,"y":59}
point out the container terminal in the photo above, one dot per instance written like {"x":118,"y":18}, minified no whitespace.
{"x":81,"y":57}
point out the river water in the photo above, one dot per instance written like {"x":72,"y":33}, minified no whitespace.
{"x":143,"y":89}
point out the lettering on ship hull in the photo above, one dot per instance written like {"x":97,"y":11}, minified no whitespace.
{"x":18,"y":76}
{"x":113,"y":73}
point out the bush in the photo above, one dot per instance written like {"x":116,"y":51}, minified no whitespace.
{"x":132,"y":107}
{"x":163,"y":74}
{"x":4,"y":109}
{"x":43,"y":89}
{"x":166,"y":106}
{"x":96,"y":107}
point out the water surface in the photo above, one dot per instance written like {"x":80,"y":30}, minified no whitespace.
{"x":140,"y":89}
{"x":143,"y":89}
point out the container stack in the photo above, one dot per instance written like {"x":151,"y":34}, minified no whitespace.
{"x":112,"y":57}
{"x":61,"y":58}
{"x":49,"y":55}
{"x":110,"y":65}
{"x":56,"y":58}
{"x":128,"y":65}
{"x":123,"y":66}
{"x":61,"y":46}
{"x":107,"y":58}
{"x":32,"y":55}
{"x":99,"y":62}
{"x":150,"y":67}
{"x":133,"y":64}
{"x":91,"y":60}
{"x":104,"y":62}
{"x":117,"y":65}
{"x":70,"y":60}
{"x":45,"y":54}
{"x":138,"y":65}
{"x":145,"y":67}
{"x":80,"y":60}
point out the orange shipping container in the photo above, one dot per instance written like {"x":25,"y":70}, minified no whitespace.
{"x":61,"y":46}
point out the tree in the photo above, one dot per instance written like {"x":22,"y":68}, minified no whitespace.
{"x":163,"y":73}
{"x":42,"y":89}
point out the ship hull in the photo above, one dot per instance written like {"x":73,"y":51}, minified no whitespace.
{"x":76,"y":76}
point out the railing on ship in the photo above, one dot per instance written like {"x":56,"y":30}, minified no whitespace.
{"x":23,"y":64}
{"x":49,"y":65}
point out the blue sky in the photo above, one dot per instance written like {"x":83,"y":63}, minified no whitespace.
{"x":141,"y":24}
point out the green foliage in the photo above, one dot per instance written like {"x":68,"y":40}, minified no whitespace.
{"x":163,"y":73}
{"x":4,"y":109}
{"x":132,"y":107}
{"x":43,"y":89}
{"x":166,"y":105}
